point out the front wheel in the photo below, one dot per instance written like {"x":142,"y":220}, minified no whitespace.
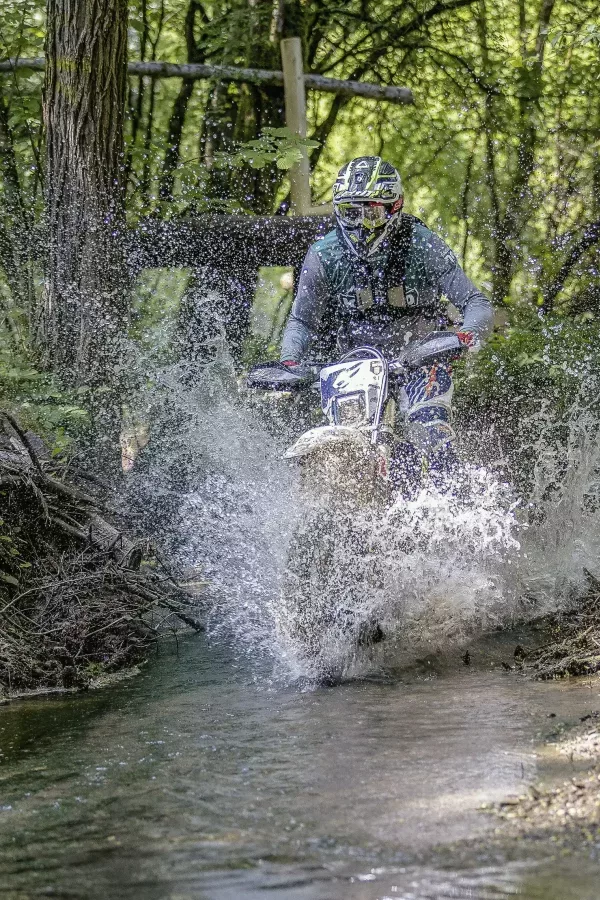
{"x":324,"y":615}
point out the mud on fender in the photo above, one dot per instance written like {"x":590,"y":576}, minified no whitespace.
{"x":327,"y":437}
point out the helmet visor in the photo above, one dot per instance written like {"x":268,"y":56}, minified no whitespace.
{"x":370,"y":215}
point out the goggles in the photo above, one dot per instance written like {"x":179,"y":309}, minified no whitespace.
{"x":370,"y":215}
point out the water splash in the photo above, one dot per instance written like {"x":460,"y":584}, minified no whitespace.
{"x":432,"y":571}
{"x":456,"y":578}
{"x":427,"y":571}
{"x":563,"y":542}
{"x":213,"y":490}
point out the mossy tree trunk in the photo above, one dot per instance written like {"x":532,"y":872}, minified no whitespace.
{"x":84,"y":104}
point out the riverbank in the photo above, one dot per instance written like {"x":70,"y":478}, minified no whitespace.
{"x":80,"y":597}
{"x":572,"y":646}
{"x":95,"y":683}
{"x":562,"y":809}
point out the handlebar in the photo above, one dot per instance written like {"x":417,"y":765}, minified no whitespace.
{"x":434,"y":347}
{"x":439,"y":346}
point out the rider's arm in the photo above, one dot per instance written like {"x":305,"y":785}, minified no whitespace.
{"x":477,"y":311}
{"x":307,"y":310}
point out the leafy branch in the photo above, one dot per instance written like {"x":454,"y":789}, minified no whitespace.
{"x":274,"y":146}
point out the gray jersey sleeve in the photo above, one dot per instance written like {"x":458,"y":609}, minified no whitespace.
{"x":478,"y":312}
{"x":307,"y":310}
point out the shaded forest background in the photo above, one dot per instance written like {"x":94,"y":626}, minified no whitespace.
{"x":499,"y":153}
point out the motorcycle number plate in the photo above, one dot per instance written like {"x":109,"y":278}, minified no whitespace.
{"x":350,"y":391}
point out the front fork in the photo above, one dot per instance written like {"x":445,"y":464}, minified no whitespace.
{"x":385,"y":440}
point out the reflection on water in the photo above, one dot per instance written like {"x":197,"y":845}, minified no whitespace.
{"x":570,"y":880}
{"x":201,"y":780}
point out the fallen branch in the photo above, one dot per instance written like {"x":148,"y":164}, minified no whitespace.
{"x":24,"y":439}
{"x":75,"y":593}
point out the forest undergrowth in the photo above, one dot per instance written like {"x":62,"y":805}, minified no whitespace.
{"x":573,"y":640}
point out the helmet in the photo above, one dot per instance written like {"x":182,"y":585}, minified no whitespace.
{"x":367,"y":200}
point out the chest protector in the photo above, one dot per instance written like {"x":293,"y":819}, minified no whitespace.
{"x":375,"y":288}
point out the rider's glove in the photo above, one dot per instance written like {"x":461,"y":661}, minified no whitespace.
{"x":469,"y":339}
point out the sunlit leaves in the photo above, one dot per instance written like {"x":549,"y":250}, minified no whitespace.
{"x":562,"y":36}
{"x":277,"y":146}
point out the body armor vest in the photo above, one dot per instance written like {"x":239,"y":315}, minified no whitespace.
{"x":391,"y":298}
{"x":378,"y":284}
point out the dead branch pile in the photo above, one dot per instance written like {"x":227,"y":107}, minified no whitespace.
{"x":575,"y":645}
{"x":77,"y":596}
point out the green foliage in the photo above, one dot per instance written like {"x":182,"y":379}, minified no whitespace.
{"x":94,"y":670}
{"x":277,"y":146}
{"x":562,"y":36}
{"x":258,"y":349}
{"x":271,"y":307}
{"x":534,"y":360}
{"x":22,"y":34}
{"x":36,"y":398}
{"x":156,"y":298}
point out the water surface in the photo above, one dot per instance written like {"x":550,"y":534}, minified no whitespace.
{"x":203,"y":779}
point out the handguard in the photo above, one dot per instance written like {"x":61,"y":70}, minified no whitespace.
{"x":439,"y":346}
{"x":275,"y":376}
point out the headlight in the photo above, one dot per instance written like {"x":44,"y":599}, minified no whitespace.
{"x":351,"y":410}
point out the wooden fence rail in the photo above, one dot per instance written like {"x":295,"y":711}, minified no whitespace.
{"x":389,"y":93}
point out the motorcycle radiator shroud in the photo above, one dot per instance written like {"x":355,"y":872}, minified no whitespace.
{"x":350,"y":391}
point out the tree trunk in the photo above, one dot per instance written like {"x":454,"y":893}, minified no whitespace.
{"x":180,"y":106}
{"x":15,"y":220}
{"x":175,"y":132}
{"x":84,"y":104}
{"x":509,"y":235}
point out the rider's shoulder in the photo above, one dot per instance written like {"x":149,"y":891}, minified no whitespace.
{"x":424,"y":239}
{"x":327,"y":245}
{"x":419,"y":231}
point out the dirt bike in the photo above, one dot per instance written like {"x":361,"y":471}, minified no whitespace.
{"x":357,"y":458}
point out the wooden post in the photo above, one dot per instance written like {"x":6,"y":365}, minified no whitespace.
{"x":295,"y":117}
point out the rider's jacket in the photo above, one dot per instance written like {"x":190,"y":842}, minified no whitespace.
{"x":399,"y":295}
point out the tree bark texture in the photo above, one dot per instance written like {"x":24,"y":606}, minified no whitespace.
{"x":84,"y":104}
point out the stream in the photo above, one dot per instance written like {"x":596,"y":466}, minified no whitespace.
{"x":205,"y":778}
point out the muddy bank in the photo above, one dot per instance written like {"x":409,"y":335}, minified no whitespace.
{"x":79,"y":596}
{"x":572,"y":646}
{"x":562,"y":810}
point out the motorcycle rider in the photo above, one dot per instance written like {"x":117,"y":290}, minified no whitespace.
{"x":382,"y":279}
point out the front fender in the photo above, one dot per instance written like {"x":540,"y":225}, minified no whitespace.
{"x":328,"y":436}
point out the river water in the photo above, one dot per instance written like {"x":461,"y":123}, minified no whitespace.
{"x":204,"y":778}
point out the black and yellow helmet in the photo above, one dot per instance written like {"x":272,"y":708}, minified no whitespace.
{"x":367,"y":200}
